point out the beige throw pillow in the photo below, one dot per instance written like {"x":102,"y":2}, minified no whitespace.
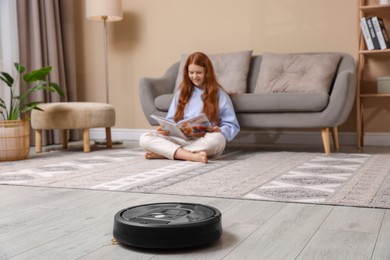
{"x":231,"y":70}
{"x":296,"y":73}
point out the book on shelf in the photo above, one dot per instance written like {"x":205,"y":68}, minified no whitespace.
{"x":366,"y":34}
{"x":381,"y":32}
{"x":373,"y":35}
{"x":187,"y":129}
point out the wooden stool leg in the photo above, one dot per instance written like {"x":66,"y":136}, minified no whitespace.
{"x":64,"y":138}
{"x":86,"y":144}
{"x":38,"y":140}
{"x":335,"y":135}
{"x":325,"y":140}
{"x":108,"y":137}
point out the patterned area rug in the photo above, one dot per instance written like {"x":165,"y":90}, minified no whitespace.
{"x":339,"y":179}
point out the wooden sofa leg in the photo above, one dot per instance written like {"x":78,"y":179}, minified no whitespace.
{"x":64,"y":138}
{"x":325,"y":140}
{"x":108,"y":137}
{"x":38,"y":140}
{"x":86,"y":145}
{"x":335,"y":135}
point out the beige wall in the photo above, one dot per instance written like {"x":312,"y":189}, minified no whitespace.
{"x":154,"y":33}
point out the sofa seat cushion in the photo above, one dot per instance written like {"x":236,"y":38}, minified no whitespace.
{"x":163,"y":102}
{"x":280,"y":102}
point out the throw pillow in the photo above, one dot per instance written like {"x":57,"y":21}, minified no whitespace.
{"x":231,"y":70}
{"x":311,"y":73}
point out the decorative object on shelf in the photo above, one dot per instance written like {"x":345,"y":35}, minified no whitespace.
{"x":384,"y":2}
{"x":106,"y":11}
{"x":14,"y":115}
{"x":383,"y":84}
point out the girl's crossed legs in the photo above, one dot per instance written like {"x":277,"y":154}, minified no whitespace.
{"x":199,"y":150}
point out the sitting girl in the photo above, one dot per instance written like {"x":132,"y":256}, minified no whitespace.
{"x":199,"y":93}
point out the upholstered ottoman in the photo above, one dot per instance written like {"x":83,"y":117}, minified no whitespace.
{"x":73,"y":115}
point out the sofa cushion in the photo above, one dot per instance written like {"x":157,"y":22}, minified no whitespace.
{"x":279,"y":102}
{"x":231,"y":70}
{"x":296,"y":73}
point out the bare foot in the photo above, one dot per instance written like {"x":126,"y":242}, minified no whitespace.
{"x":151,"y":155}
{"x":186,"y":155}
{"x":201,"y":157}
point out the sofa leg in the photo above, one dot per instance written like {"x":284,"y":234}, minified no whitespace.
{"x":325,"y":140}
{"x":335,"y":135}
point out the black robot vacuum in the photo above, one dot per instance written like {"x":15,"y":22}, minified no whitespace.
{"x":167,"y":225}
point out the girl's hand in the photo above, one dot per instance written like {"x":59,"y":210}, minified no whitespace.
{"x":161,"y":131}
{"x":215,"y":129}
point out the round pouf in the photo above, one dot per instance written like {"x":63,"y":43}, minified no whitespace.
{"x":167,"y":225}
{"x":72,"y":115}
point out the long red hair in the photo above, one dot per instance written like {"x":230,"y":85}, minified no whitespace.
{"x":210,"y":85}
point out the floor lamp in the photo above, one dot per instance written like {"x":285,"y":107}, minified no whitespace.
{"x":106,"y":11}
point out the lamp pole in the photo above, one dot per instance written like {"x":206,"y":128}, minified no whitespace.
{"x":106,"y":11}
{"x":106,"y":57}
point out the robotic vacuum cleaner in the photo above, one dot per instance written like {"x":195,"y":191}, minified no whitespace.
{"x":167,"y":225}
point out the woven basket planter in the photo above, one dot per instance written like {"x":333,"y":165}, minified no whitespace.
{"x":14,"y":140}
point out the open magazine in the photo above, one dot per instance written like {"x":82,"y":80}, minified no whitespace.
{"x":185,"y":128}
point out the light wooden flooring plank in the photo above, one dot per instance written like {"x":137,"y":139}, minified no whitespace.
{"x":253,"y":212}
{"x":348,"y":233}
{"x":47,"y":223}
{"x":382,"y":246}
{"x":343,"y":245}
{"x":59,"y":216}
{"x":354,"y":219}
{"x":284,"y":235}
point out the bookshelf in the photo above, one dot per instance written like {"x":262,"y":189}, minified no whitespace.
{"x":370,"y":65}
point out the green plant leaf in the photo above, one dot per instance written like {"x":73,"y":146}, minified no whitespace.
{"x":8,"y":79}
{"x":35,"y":75}
{"x":19,"y":67}
{"x":56,"y":88}
{"x":31,"y":90}
{"x":14,"y":113}
{"x":17,"y":109}
{"x":30,"y":106}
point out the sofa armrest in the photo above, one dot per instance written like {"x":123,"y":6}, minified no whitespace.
{"x":343,"y":93}
{"x":151,"y":88}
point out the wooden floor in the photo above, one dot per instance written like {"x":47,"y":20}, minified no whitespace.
{"x":52,"y":223}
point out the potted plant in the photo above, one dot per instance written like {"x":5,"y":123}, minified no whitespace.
{"x":14,"y":115}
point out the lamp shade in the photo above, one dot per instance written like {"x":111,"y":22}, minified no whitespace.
{"x":97,"y":10}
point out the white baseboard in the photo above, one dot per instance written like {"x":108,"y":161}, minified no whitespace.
{"x":124,"y":134}
{"x":261,"y":137}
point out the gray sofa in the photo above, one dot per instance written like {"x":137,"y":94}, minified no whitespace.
{"x":271,"y":110}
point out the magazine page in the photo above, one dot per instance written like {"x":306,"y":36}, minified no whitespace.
{"x":196,"y":125}
{"x":170,"y":126}
{"x":187,"y":129}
